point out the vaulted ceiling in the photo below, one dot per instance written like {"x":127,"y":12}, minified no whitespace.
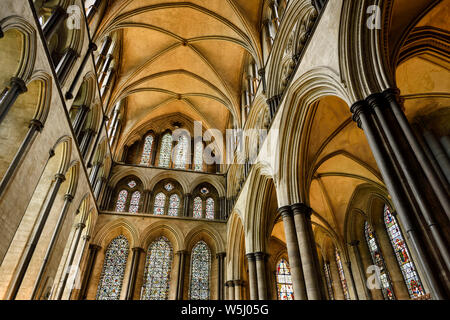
{"x":182,"y":57}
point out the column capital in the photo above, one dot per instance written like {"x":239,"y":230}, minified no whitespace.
{"x":86,"y":238}
{"x":262,"y":72}
{"x":357,"y":108}
{"x":19,"y":84}
{"x":301,"y":208}
{"x":68,"y":197}
{"x":260,"y":256}
{"x":285,"y":211}
{"x":354,"y":243}
{"x":80,"y":225}
{"x":182,"y":252}
{"x":237,"y":283}
{"x":94,"y":247}
{"x":250,"y":256}
{"x":37,"y":124}
{"x":229,"y":283}
{"x":60,"y":176}
{"x":375,"y":100}
{"x":221,"y":255}
{"x":92,"y":47}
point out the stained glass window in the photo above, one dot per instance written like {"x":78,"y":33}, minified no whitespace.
{"x":134,"y":203}
{"x":132,"y":184}
{"x":160,"y":201}
{"x":400,"y":247}
{"x":121,"y":200}
{"x":157,"y":270}
{"x":174,"y":205}
{"x":147,"y":151}
{"x":378,"y":260}
{"x":169,"y":187}
{"x":210,"y":208}
{"x":200,"y":269}
{"x":197,"y":212}
{"x":181,"y":153}
{"x":198,"y":156}
{"x":165,"y":151}
{"x":113,"y":269}
{"x":342,"y":275}
{"x":204,"y":190}
{"x":329,"y":280}
{"x":284,"y":281}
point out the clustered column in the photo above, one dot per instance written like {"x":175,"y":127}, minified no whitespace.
{"x":374,"y":115}
{"x":293,"y":250}
{"x":308,"y":251}
{"x":253,"y":282}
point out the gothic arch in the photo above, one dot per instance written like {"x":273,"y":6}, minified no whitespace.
{"x":310,"y":87}
{"x":27,"y":56}
{"x":112,"y":229}
{"x":161,"y":228}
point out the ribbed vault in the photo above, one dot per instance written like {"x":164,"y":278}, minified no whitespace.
{"x":179,"y":56}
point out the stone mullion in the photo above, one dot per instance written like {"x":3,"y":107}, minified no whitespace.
{"x":133,"y":272}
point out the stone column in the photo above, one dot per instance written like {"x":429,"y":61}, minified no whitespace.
{"x":73,"y":250}
{"x":355,"y":246}
{"x":187,"y":203}
{"x":230,"y":285}
{"x":53,"y":23}
{"x":293,"y":250}
{"x":92,"y":10}
{"x":98,"y":187}
{"x":102,"y":55}
{"x":261,"y":275}
{"x":181,"y":270}
{"x":418,"y":155}
{"x":93,"y":250}
{"x":362,"y":115}
{"x":35,"y":126}
{"x":94,"y":172}
{"x":253,"y":282}
{"x":69,"y":94}
{"x":220,"y":277}
{"x":133,"y":272}
{"x":412,"y":160}
{"x":34,"y":238}
{"x":86,"y":239}
{"x":86,"y":141}
{"x":237,"y":289}
{"x":439,"y":154}
{"x":262,"y":74}
{"x":62,"y":217}
{"x":352,"y":280}
{"x":64,"y":65}
{"x":104,"y":70}
{"x":268,"y":33}
{"x":275,"y":16}
{"x":79,"y":120}
{"x":17,"y":87}
{"x":307,"y":245}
